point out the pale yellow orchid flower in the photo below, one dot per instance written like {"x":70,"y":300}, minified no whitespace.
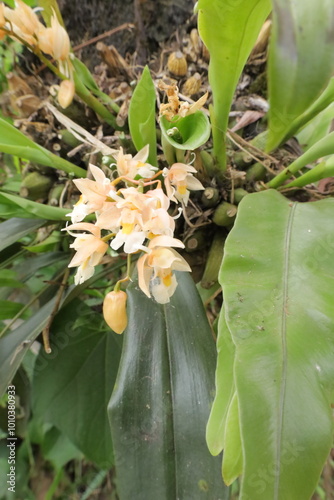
{"x":90,"y":249}
{"x":155,"y":268}
{"x":95,"y":194}
{"x":54,"y":41}
{"x":23,"y":22}
{"x":131,"y":167}
{"x":179,"y":180}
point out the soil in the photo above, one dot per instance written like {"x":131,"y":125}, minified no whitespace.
{"x":154,"y":21}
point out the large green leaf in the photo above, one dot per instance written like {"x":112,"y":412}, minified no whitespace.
{"x":190,"y":132}
{"x":14,"y":229}
{"x":12,"y":141}
{"x":72,"y":386}
{"x":300,"y":64}
{"x":142,"y":115}
{"x":278,"y":280}
{"x":229,"y":30}
{"x":161,"y":401}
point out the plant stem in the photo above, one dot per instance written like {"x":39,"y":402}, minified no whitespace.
{"x":95,"y":104}
{"x":82,"y":92}
{"x":127,"y":277}
{"x":219,"y":144}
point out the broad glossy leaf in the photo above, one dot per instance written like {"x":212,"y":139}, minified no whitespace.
{"x":278,"y":281}
{"x":191,"y":132}
{"x":72,"y":385}
{"x":229,"y":30}
{"x":161,"y":401}
{"x":142,"y":115}
{"x":14,"y":229}
{"x":58,"y":449}
{"x":12,"y":141}
{"x":300,"y":63}
{"x":38,"y":209}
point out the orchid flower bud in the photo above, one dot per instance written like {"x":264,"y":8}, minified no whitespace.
{"x":114,"y":311}
{"x":66,"y":93}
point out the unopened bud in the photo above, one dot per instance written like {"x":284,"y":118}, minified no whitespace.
{"x":114,"y":311}
{"x":66,"y":93}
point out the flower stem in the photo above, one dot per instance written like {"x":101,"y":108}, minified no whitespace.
{"x":117,"y":287}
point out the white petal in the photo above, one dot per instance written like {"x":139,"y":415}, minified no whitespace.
{"x":134,"y":242}
{"x":97,"y":173}
{"x":193,"y":183}
{"x":118,"y":241}
{"x":162,"y":293}
{"x":78,"y":213}
{"x":142,"y":155}
{"x":147,"y":171}
{"x":83,"y":273}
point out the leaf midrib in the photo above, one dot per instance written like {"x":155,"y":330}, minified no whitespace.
{"x":280,"y":416}
{"x":171,"y":397}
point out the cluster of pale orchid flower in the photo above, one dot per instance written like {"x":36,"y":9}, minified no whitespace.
{"x":23,"y":24}
{"x":136,"y":218}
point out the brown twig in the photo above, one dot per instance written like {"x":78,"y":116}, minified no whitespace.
{"x":103,"y":35}
{"x":236,"y":139}
{"x":46,"y":331}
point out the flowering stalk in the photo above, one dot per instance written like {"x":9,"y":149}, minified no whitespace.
{"x":135,"y":218}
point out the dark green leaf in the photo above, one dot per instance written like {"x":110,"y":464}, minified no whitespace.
{"x":14,"y":229}
{"x":39,"y":262}
{"x":58,"y":449}
{"x":9,"y":309}
{"x":14,"y":345}
{"x":72,"y":385}
{"x":142,"y":116}
{"x":160,"y":404}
